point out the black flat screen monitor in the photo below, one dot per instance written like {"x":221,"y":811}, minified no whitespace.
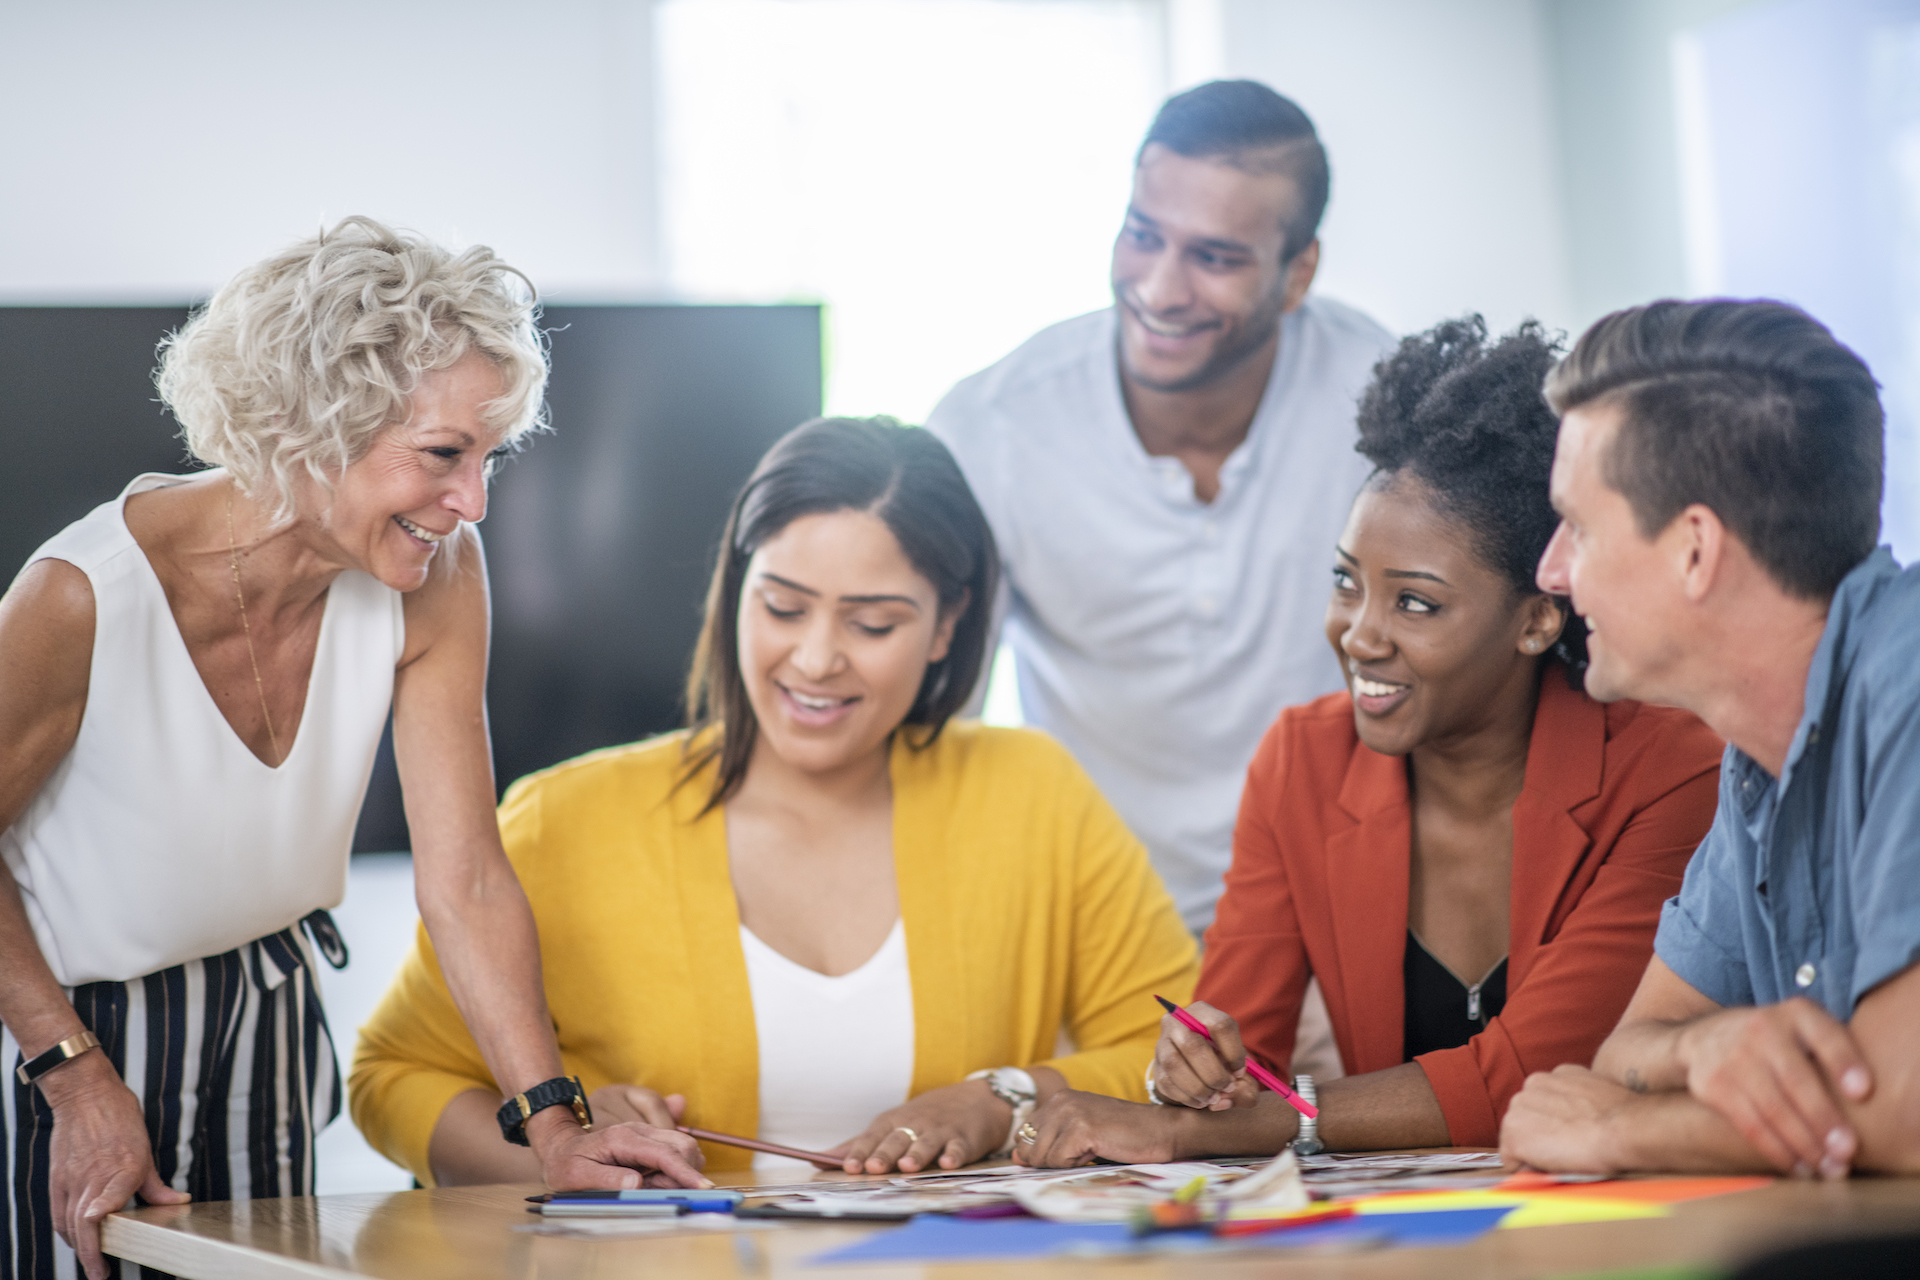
{"x":600,"y":537}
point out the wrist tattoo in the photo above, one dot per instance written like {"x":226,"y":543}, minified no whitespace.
{"x":1634,"y":1082}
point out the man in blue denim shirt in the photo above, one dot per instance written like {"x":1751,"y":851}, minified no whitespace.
{"x":1718,"y":477}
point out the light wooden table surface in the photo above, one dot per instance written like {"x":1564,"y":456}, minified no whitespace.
{"x":467,"y":1234}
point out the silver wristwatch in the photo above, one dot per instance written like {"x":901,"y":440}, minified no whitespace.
{"x":1307,"y":1141}
{"x":1015,"y":1088}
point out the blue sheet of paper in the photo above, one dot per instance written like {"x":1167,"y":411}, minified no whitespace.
{"x":932,"y":1238}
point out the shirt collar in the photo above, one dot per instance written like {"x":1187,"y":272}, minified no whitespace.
{"x":1170,"y":472}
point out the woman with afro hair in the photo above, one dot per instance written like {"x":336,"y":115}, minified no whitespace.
{"x":1466,"y":850}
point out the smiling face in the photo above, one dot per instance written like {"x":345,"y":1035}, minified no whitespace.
{"x":1198,"y":277}
{"x":418,"y":481}
{"x":1623,"y":583}
{"x":836,"y":630}
{"x":1435,"y":643}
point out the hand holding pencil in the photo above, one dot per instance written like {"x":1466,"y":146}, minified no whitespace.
{"x":1200,"y":1062}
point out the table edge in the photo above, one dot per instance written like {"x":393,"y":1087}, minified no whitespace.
{"x":152,"y":1245}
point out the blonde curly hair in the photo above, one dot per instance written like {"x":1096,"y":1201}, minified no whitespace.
{"x":301,"y":360}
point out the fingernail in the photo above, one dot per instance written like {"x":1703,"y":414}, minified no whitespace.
{"x":1840,"y":1142}
{"x":1832,"y":1169}
{"x":1855,"y":1082}
{"x":1801,"y":1170}
{"x":706,"y":1185}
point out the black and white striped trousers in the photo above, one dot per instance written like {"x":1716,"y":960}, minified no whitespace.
{"x":234,"y":1066}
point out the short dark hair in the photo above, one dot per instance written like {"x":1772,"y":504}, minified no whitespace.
{"x":1464,"y":416}
{"x":1233,"y":120}
{"x":1752,"y":409}
{"x":904,"y":476}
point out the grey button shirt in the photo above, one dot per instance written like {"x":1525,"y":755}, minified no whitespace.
{"x":1810,"y":884}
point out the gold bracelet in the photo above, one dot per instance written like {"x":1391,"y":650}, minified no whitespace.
{"x":61,"y":1054}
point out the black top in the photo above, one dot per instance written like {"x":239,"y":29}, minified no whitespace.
{"x":1442,"y":1011}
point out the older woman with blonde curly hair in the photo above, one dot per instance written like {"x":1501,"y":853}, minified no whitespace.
{"x":193,"y":682}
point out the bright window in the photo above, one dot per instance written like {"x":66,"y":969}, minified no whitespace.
{"x":946,"y":175}
{"x":1800,"y":149}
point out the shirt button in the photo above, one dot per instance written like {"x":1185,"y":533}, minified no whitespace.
{"x":1206,"y":605}
{"x":1803,"y":976}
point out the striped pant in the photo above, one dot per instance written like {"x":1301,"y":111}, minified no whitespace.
{"x":234,"y":1066}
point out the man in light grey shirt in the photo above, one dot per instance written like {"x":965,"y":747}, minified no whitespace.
{"x":1167,"y":478}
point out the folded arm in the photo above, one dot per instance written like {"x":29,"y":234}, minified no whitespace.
{"x":1684,"y":1084}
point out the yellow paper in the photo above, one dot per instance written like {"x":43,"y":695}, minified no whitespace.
{"x":1528,"y":1210}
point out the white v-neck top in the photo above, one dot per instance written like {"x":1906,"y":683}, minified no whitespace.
{"x":834,"y":1052}
{"x":161,"y":838}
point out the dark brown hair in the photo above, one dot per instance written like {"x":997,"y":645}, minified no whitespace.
{"x":1752,"y":409}
{"x":1249,"y":126}
{"x":904,"y":476}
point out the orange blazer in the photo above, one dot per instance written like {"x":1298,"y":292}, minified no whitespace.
{"x":1615,"y":800}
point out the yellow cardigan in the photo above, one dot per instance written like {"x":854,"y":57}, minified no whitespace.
{"x":1029,"y":909}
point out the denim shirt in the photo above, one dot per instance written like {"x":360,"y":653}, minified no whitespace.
{"x":1810,"y":884}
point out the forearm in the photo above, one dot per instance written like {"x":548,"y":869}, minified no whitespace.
{"x":1644,"y":1055}
{"x":1676,"y":1133}
{"x":32,"y":1004}
{"x":1261,"y":1129}
{"x":1381,"y":1109}
{"x":1376,"y":1111}
{"x":467,"y":1149}
{"x":1648,"y":1050}
{"x":489,"y":950}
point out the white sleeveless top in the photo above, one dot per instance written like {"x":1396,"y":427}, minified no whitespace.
{"x":160,"y":838}
{"x":834,"y":1052}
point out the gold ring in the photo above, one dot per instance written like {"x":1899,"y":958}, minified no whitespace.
{"x":911,"y":1135}
{"x":1029,"y":1134}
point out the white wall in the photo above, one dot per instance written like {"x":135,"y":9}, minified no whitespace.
{"x":150,"y":150}
{"x":1439,"y":122}
{"x":153,"y":150}
{"x":1618,"y":152}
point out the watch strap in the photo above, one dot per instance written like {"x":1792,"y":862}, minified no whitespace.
{"x":1015,"y":1087}
{"x":559,"y":1091}
{"x":58,"y":1056}
{"x":1011,"y":1085}
{"x":1306,"y":1141}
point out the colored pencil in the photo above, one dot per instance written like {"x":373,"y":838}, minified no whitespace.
{"x":1304,"y":1218}
{"x":771,"y":1148}
{"x":1254,"y":1069}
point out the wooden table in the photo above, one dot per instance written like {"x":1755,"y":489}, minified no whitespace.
{"x":466,"y":1234}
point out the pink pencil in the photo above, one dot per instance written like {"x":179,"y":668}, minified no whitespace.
{"x":1254,"y":1069}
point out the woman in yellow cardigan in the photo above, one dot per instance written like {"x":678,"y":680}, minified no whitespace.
{"x":824,"y":914}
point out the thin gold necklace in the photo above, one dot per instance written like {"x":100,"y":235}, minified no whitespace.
{"x":233,"y":558}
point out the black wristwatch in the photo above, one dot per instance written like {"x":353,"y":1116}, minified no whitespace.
{"x":559,"y":1091}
